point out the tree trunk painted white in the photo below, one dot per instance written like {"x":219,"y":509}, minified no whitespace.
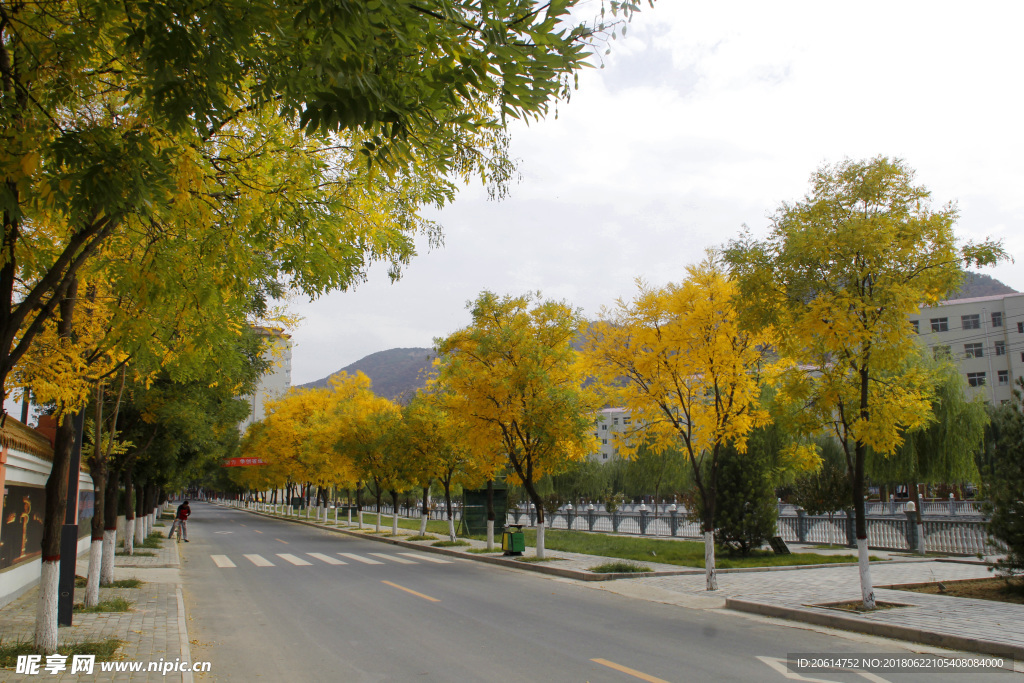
{"x":920,"y":538}
{"x":360,"y":516}
{"x":540,"y":540}
{"x":46,"y":608}
{"x":107,"y":567}
{"x":490,"y":534}
{"x":423,"y":524}
{"x":129,"y":536}
{"x":451,"y":528}
{"x":866,"y":589}
{"x":710,"y":575}
{"x":394,"y":524}
{"x":378,"y":520}
{"x":92,"y":584}
{"x":140,"y":530}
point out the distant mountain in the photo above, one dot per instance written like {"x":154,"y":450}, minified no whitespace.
{"x":976,"y":284}
{"x":394,"y":372}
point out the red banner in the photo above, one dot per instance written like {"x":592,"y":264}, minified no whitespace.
{"x":244,"y":462}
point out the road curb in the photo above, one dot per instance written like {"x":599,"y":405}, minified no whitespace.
{"x":851,"y":623}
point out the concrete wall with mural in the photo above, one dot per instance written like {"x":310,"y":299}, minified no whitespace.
{"x":25,"y":464}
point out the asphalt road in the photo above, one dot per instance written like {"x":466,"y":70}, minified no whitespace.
{"x":273,"y":600}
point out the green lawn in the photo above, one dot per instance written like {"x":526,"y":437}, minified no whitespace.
{"x":684,"y":553}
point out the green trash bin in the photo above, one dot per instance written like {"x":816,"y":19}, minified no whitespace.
{"x":513,"y":541}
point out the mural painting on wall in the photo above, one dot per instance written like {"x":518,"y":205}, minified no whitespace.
{"x":21,"y":531}
{"x":21,"y":534}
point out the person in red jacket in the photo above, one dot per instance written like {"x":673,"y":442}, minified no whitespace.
{"x":180,"y":517}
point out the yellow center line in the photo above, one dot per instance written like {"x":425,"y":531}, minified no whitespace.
{"x":403,"y":588}
{"x":278,"y":539}
{"x":257,"y":531}
{"x":626,"y":670}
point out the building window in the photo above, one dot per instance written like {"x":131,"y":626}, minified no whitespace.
{"x":973,"y":350}
{"x":615,"y":420}
{"x":1000,"y":348}
{"x":1003,"y":377}
{"x":940,"y":324}
{"x":971,"y":322}
{"x":604,"y":441}
{"x":625,"y":420}
{"x":997,"y":319}
{"x":1020,"y":327}
{"x":604,"y":456}
{"x":940,"y":351}
{"x":605,"y":427}
{"x":916,"y":325}
{"x":976,"y":379}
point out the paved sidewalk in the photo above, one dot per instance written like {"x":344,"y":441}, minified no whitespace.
{"x":153,"y":630}
{"x":799,"y":593}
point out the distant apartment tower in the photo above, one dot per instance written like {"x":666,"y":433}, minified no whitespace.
{"x":985,"y":338}
{"x":607,"y":424}
{"x":278,"y":377}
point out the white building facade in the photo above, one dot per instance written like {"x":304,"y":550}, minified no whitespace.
{"x":985,"y":338}
{"x":607,"y":424}
{"x":278,"y":378}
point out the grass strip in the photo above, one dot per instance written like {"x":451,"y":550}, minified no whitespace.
{"x":103,"y":649}
{"x":683,"y":553}
{"x":449,"y":544}
{"x":111,"y":605}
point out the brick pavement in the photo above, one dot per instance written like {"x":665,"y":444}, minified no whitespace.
{"x":154,"y":629}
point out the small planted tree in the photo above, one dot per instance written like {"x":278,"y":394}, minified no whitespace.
{"x":1005,"y":479}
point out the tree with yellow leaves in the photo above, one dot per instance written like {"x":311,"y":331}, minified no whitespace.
{"x":514,"y":380}
{"x":677,"y":359}
{"x":838,"y":276}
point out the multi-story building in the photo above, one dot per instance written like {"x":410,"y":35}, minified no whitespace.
{"x":607,"y":424}
{"x":983,"y":335}
{"x":278,"y":378}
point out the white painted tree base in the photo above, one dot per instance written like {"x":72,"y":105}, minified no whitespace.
{"x":140,"y":530}
{"x":451,"y":528}
{"x":129,"y":537}
{"x":710,"y":575}
{"x":378,"y":521}
{"x":490,"y":534}
{"x":394,"y":524}
{"x":867,"y":590}
{"x":540,"y":540}
{"x":92,"y":584}
{"x":107,"y":567}
{"x":920,"y":539}
{"x":423,"y":525}
{"x":46,"y":608}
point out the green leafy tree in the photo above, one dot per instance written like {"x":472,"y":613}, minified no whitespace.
{"x":1004,"y":478}
{"x":837,"y":277}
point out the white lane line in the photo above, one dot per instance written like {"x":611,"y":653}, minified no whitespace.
{"x":393,"y":558}
{"x":359,"y":558}
{"x":326,"y":558}
{"x":259,"y":560}
{"x":426,"y":558}
{"x":222,"y":561}
{"x":298,"y":561}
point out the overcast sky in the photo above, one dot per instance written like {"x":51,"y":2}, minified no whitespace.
{"x":706,"y":117}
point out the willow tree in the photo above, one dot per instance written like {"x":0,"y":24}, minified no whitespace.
{"x":678,"y":360}
{"x":943,"y":450}
{"x":513,"y":378}
{"x":839,"y":275}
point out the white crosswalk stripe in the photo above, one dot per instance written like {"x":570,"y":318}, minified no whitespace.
{"x":426,"y":558}
{"x":360,"y":558}
{"x":393,"y":558}
{"x":297,"y":561}
{"x":259,"y":560}
{"x":222,"y":561}
{"x":326,"y":558}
